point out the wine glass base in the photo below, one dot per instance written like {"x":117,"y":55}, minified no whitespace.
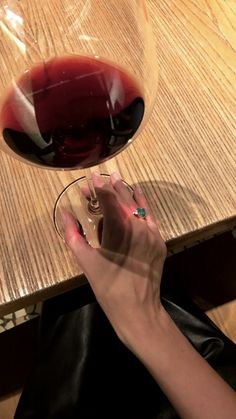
{"x":75,"y":200}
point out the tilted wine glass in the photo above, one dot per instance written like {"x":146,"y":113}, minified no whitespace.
{"x":78,"y":82}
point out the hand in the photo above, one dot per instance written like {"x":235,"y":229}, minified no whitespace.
{"x":125,"y":274}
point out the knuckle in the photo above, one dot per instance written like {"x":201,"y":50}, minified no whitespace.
{"x":162,"y":249}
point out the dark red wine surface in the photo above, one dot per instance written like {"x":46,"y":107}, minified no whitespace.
{"x":71,"y":112}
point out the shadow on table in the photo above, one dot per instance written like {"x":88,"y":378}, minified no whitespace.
{"x":207,"y":271}
{"x":182,"y":206}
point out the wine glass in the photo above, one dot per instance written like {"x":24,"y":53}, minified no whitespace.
{"x":78,"y":82}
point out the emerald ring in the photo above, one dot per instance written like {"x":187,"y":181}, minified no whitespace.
{"x":140,"y":213}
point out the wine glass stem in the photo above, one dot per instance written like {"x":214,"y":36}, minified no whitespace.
{"x":93,"y":205}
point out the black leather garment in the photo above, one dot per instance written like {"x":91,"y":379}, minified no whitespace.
{"x":83,"y":371}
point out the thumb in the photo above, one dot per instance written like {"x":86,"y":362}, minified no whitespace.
{"x":79,"y":246}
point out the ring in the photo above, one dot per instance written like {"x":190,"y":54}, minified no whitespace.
{"x":140,"y":213}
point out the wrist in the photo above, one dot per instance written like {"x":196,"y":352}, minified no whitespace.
{"x":148,"y":332}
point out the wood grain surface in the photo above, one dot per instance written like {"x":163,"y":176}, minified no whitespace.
{"x":8,"y":406}
{"x":225,"y":318}
{"x":185,"y":158}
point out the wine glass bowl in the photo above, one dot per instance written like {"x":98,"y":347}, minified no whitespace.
{"x":78,"y":79}
{"x":71,"y":112}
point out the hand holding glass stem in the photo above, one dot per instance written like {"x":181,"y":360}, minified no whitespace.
{"x":125,"y":275}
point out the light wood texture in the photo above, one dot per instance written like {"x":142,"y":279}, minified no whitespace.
{"x":8,"y":406}
{"x":225,"y":318}
{"x":185,"y":158}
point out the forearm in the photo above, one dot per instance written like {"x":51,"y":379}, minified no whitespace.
{"x":195,"y":390}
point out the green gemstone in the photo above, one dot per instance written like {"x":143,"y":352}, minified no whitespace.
{"x":141,"y":212}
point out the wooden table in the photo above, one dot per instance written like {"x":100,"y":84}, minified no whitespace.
{"x":185,"y":159}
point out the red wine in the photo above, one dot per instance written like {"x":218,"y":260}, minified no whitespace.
{"x":71,"y":112}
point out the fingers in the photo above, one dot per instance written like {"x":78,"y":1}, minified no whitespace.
{"x":117,"y":201}
{"x":115,"y":198}
{"x":79,"y":246}
{"x":125,"y":195}
{"x":97,"y":180}
{"x":142,"y":203}
{"x":110,"y":202}
{"x":108,"y":198}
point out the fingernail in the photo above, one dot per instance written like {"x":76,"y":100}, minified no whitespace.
{"x":71,"y":229}
{"x":68,"y":219}
{"x":115,"y":176}
{"x":65,"y":217}
{"x":97,"y":180}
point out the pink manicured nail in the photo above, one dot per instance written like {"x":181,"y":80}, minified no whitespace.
{"x":97,"y":180}
{"x":115,"y":176}
{"x":66,"y":217}
{"x":69,"y":220}
{"x":70,"y":226}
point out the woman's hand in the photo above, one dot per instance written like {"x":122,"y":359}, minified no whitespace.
{"x":125,"y":273}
